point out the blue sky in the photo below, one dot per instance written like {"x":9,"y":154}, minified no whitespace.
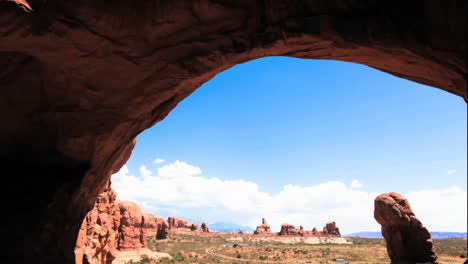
{"x":281,"y":121}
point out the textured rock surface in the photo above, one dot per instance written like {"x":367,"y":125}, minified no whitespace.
{"x":194,"y":226}
{"x":204,"y":228}
{"x":131,"y":231}
{"x":98,"y":235}
{"x":97,"y":73}
{"x":408,"y":241}
{"x":332,"y":229}
{"x":175,"y":223}
{"x":264,"y":228}
{"x":163,"y":230}
{"x":288,"y":230}
{"x":151,"y":223}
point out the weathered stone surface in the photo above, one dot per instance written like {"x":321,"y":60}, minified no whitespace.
{"x":163,"y":230}
{"x":175,"y":223}
{"x":151,"y":223}
{"x":96,"y":74}
{"x":97,"y":238}
{"x":332,"y":229}
{"x":204,"y":228}
{"x":194,"y":226}
{"x":408,"y":241}
{"x":288,"y":230}
{"x":131,"y":231}
{"x":264,"y":228}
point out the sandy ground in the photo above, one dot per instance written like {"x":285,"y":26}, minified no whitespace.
{"x":135,"y":255}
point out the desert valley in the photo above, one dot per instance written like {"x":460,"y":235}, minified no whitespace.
{"x":118,"y":232}
{"x":300,"y":123}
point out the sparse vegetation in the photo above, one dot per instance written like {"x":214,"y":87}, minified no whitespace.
{"x":187,"y":248}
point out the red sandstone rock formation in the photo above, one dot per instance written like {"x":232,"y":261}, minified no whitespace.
{"x":264,"y":228}
{"x":175,"y":223}
{"x":408,"y":241}
{"x":194,"y":226}
{"x":204,"y":228}
{"x":332,"y":229}
{"x":163,"y":230}
{"x":131,"y":231}
{"x":97,"y":238}
{"x":150,"y":223}
{"x":288,"y":230}
{"x":76,"y":125}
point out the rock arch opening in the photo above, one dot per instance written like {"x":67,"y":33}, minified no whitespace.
{"x":169,"y":185}
{"x":81,"y":80}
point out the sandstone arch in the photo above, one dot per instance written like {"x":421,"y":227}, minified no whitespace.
{"x":81,"y":79}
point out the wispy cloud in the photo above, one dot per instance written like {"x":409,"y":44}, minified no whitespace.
{"x":158,"y":160}
{"x":180,"y":189}
{"x":356,"y":184}
{"x":451,"y":171}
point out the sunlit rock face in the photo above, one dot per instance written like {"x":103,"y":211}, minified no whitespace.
{"x":175,"y":223}
{"x":98,"y":235}
{"x":132,"y":234}
{"x":407,"y":240}
{"x":264,"y":228}
{"x":113,"y":226}
{"x":81,"y":79}
{"x":288,"y":230}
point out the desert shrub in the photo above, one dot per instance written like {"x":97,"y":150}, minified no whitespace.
{"x":239,"y":256}
{"x":262,"y":257}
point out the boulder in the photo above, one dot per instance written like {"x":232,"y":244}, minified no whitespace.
{"x":204,"y":228}
{"x":408,"y":241}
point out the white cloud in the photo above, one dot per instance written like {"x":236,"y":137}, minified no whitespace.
{"x":179,"y":189}
{"x":144,"y":171}
{"x":441,"y":209}
{"x":158,"y":160}
{"x":178,"y":169}
{"x":356,"y":184}
{"x":451,"y":171}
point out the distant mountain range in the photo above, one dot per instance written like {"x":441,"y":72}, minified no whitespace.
{"x":229,"y":227}
{"x":433,"y":234}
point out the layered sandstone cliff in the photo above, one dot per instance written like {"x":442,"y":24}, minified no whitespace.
{"x":98,"y":235}
{"x":132,"y":234}
{"x":151,"y":223}
{"x":112,"y":227}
